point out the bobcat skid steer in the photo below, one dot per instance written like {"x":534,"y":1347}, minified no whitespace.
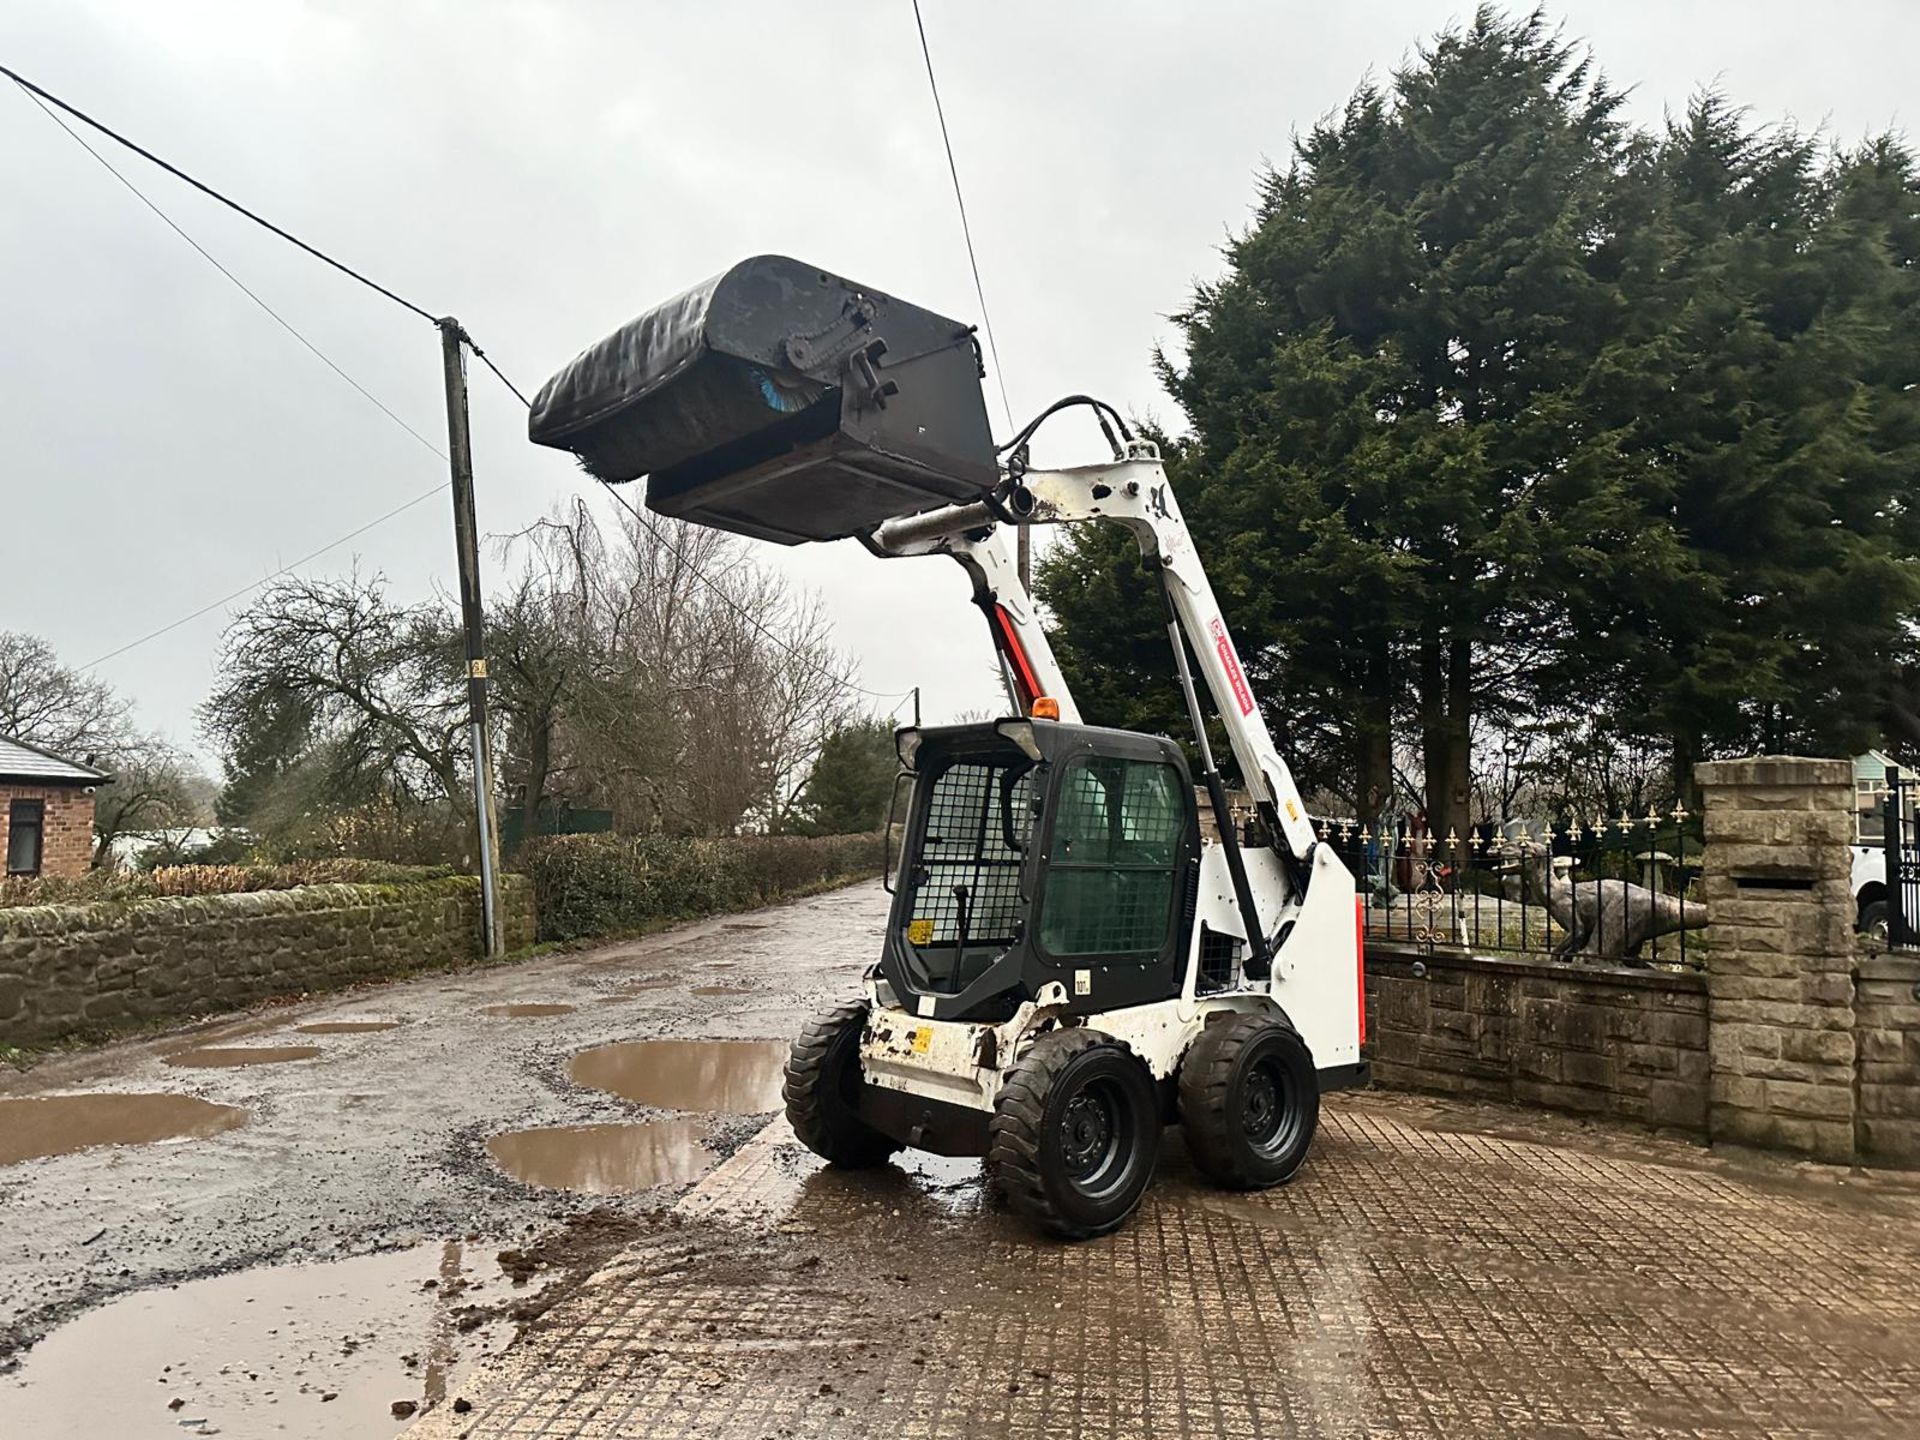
{"x":1070,"y":964}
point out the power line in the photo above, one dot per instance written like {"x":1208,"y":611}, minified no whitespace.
{"x":980,"y":293}
{"x":287,"y":569}
{"x":240,"y":284}
{"x":39,"y":95}
{"x":206,"y":189}
{"x":741,"y":610}
{"x":292,"y":330}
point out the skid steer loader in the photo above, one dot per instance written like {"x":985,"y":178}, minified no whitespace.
{"x":1070,"y":964}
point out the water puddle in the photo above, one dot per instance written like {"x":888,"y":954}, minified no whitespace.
{"x":215,"y":1057}
{"x":306,"y":1352}
{"x":61,"y":1124}
{"x":347,"y":1027}
{"x":747,"y":925}
{"x":525,"y":1012}
{"x":603,"y":1159}
{"x":718,"y":990}
{"x":730,"y":1077}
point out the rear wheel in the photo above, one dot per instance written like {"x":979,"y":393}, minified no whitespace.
{"x":1075,"y":1133}
{"x":1249,"y":1101}
{"x":822,"y":1091}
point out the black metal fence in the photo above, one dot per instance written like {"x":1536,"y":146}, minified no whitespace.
{"x":1899,"y":900}
{"x":1605,"y":891}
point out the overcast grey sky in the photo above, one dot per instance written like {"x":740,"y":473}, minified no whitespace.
{"x":545,"y":169}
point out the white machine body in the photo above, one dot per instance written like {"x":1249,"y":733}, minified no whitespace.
{"x":1314,"y":931}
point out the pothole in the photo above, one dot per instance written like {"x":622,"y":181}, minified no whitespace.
{"x":524,"y":1012}
{"x":61,"y":1124}
{"x":603,"y":1159}
{"x":215,"y":1057}
{"x":307,"y":1352}
{"x":729,"y":1077}
{"x":347,"y":1027}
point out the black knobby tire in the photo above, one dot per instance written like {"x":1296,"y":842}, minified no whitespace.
{"x":1875,"y":918}
{"x":1075,"y":1134}
{"x":1249,"y":1101}
{"x":822,"y":1086}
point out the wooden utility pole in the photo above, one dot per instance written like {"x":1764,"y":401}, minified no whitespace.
{"x":453,"y":341}
{"x":1023,"y":557}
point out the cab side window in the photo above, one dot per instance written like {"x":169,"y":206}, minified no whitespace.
{"x":1111,"y":869}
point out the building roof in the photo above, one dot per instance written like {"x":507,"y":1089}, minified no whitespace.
{"x":1871,"y":766}
{"x":29,"y":764}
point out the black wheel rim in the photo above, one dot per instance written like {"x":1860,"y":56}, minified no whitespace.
{"x":1269,"y":1107}
{"x":1096,"y":1139}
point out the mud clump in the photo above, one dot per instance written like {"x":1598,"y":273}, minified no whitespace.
{"x":61,"y":1124}
{"x":228,"y":1058}
{"x":724,"y":1077}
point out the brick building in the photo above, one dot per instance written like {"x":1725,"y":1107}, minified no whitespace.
{"x":46,"y":810}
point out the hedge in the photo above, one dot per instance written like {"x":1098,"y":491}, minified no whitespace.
{"x":587,"y":885}
{"x":110,"y":884}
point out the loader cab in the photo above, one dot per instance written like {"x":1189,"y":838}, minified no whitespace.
{"x":1039,"y":852}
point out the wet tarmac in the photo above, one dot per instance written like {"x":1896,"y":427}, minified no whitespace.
{"x":224,"y":1058}
{"x":604,"y":1159}
{"x":379,"y":1139}
{"x":728,"y":1077}
{"x":62,"y":1124}
{"x":525,"y":1012}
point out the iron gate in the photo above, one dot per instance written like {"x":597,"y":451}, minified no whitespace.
{"x":1903,"y":860}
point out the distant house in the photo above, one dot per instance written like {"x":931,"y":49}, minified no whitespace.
{"x":46,"y":810}
{"x":1870,"y":790}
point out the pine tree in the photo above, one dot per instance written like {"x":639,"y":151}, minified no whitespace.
{"x":847,"y":790}
{"x":1502,"y":409}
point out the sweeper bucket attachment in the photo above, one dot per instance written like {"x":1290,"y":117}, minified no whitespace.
{"x":782,"y":402}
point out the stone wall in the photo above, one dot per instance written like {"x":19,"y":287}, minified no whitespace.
{"x":70,"y":969}
{"x":1627,"y":1044}
{"x":1886,"y":1032}
{"x":1774,"y":877}
{"x":1795,"y":1038}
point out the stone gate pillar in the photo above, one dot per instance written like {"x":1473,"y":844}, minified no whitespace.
{"x":1775,"y":877}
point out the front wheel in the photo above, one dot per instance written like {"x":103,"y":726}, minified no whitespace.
{"x":1249,"y":1101}
{"x":822,"y":1091}
{"x":1075,"y":1134}
{"x":1874,"y":922}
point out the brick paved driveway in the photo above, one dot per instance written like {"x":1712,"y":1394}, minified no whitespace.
{"x":1435,"y":1271}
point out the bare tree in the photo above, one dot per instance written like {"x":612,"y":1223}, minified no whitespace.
{"x":678,"y":682}
{"x":154,"y":788}
{"x":335,"y":660}
{"x":48,"y":704}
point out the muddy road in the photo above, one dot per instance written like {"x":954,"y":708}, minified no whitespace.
{"x":366,"y":1144}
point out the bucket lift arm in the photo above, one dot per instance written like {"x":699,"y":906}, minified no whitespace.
{"x":1134,"y":493}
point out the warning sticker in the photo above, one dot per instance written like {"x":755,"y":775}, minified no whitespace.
{"x":920,"y":932}
{"x":922,"y":1038}
{"x":1230,"y":662}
